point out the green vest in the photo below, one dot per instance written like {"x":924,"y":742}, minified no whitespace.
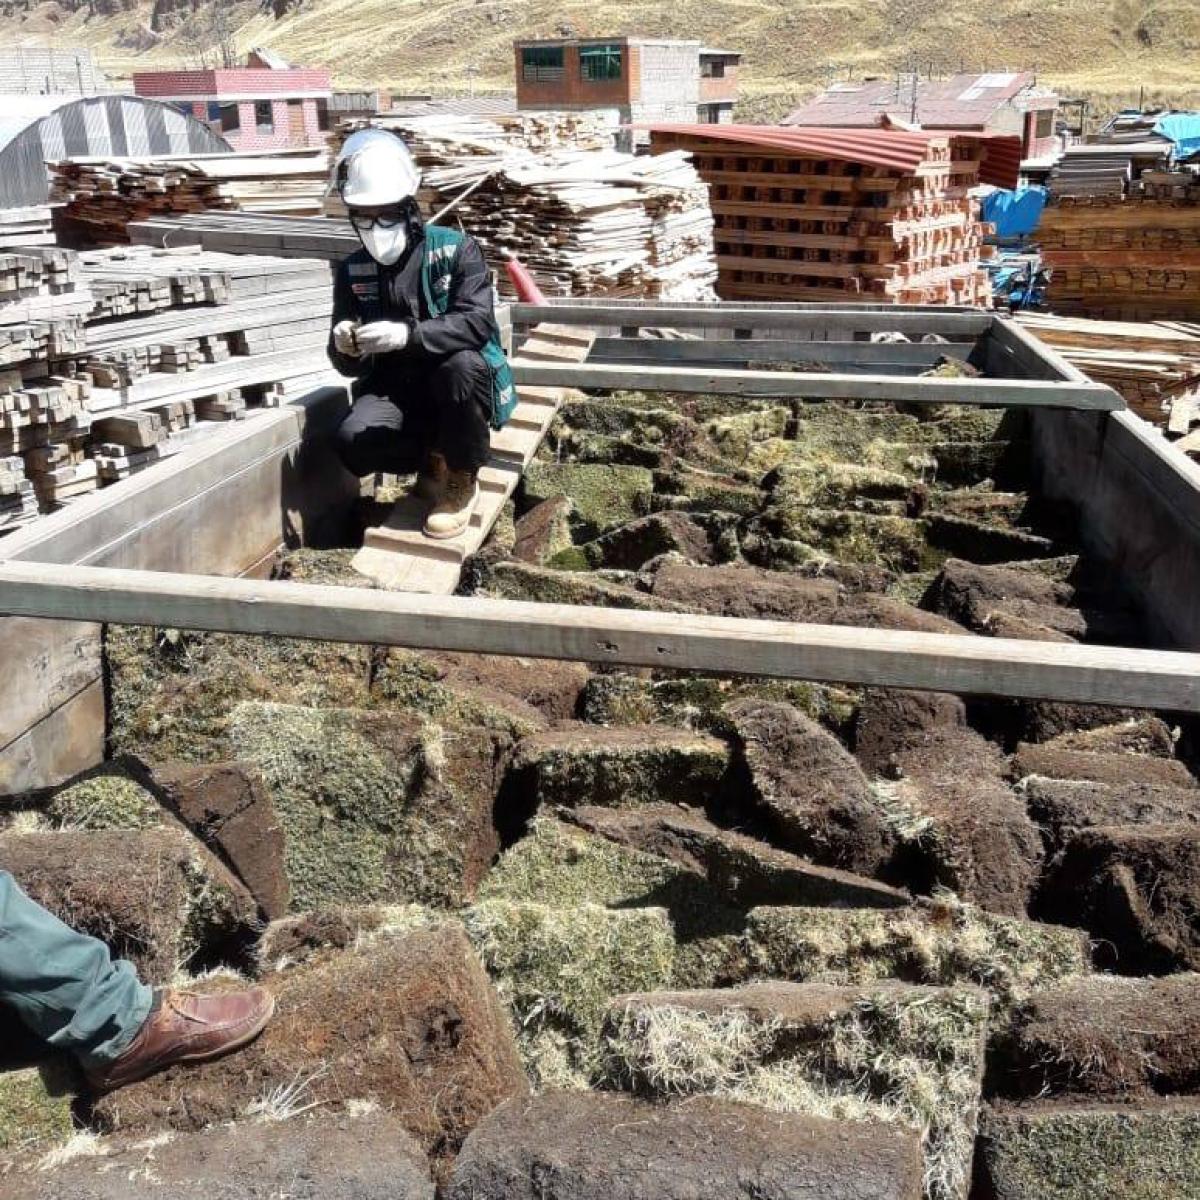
{"x":441,"y":245}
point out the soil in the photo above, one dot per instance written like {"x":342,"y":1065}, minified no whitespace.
{"x":1062,"y":806}
{"x":1105,"y":1036}
{"x":1056,"y":762}
{"x":543,"y":531}
{"x":409,"y":1022}
{"x":549,"y":687}
{"x":597,"y":1146}
{"x":812,"y":796}
{"x":890,"y":721}
{"x":737,"y":591}
{"x":318,"y":1156}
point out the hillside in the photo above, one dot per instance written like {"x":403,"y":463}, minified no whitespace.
{"x":1106,"y":51}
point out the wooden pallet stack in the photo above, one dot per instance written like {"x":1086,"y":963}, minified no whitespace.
{"x":1131,"y":259}
{"x":99,"y":197}
{"x":802,"y":224}
{"x":1154,"y":365}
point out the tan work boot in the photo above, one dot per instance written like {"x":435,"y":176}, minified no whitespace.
{"x":182,"y":1028}
{"x":452,"y":513}
{"x":431,"y":479}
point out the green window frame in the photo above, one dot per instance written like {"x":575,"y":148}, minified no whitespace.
{"x":541,"y":64}
{"x":600,"y":63}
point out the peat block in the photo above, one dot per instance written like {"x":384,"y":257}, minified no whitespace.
{"x":740,"y":591}
{"x":1052,"y":1151}
{"x":813,"y":796}
{"x":156,"y":896}
{"x":317,"y":1156}
{"x":891,"y":721}
{"x":597,"y":1146}
{"x":629,"y":546}
{"x":1057,"y":762}
{"x":1137,"y":889}
{"x":1106,"y":1036}
{"x":543,"y":531}
{"x":1062,"y":806}
{"x":409,"y":1022}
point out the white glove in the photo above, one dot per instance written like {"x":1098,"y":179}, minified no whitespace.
{"x":382,"y":337}
{"x":343,"y":338}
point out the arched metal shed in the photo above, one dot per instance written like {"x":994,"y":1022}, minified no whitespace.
{"x":35,"y":130}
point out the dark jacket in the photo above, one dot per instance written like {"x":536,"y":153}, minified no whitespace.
{"x":365,"y":291}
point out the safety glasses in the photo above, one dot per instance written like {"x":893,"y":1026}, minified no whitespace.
{"x":388,"y":219}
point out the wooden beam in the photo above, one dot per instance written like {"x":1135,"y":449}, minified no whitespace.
{"x":1007,"y":393}
{"x":963,"y":323}
{"x":1157,"y":679}
{"x":916,"y":355}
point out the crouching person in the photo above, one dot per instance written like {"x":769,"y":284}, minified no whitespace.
{"x":414,"y":325}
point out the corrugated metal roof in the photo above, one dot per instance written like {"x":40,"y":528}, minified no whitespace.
{"x":900,"y":150}
{"x":960,"y":102}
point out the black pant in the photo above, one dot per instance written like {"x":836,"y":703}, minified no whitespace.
{"x":445,"y":407}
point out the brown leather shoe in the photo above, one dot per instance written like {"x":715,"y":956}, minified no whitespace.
{"x":183,"y":1027}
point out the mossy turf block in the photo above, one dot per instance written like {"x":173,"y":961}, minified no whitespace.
{"x":630,"y":546}
{"x":736,"y":437}
{"x":1148,"y":1151}
{"x":156,"y":896}
{"x":409,"y":1022}
{"x":897,"y":543}
{"x":581,"y":1146}
{"x":602,"y":496}
{"x":512,"y":580}
{"x":1104,"y":1036}
{"x":543,"y":531}
{"x":908,"y":1055}
{"x":699,"y":702}
{"x":366,"y":1155}
{"x":835,"y":484}
{"x":375,"y":806}
{"x":557,"y":968}
{"x":35,"y":1107}
{"x":622,"y":767}
{"x":937,"y":943}
{"x":105,"y":801}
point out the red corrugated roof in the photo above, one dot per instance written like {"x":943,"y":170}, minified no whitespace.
{"x":899,"y":150}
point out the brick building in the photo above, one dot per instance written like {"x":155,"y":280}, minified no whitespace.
{"x":1009,"y":102}
{"x":255,"y":107}
{"x":641,"y":79}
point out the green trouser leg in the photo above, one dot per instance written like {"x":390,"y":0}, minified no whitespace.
{"x":66,"y":986}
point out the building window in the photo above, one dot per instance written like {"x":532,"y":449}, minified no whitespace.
{"x":708,"y":114}
{"x":598,"y":63}
{"x":264,"y":116}
{"x":712,"y":68}
{"x":1045,"y":124}
{"x":322,"y":115}
{"x":542,"y":64}
{"x":231,"y":118}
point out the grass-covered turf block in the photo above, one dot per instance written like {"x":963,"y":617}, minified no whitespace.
{"x":105,"y":801}
{"x":557,"y":968}
{"x":35,"y":1108}
{"x":937,"y":943}
{"x":909,"y":1055}
{"x":375,"y":806}
{"x":620,"y":767}
{"x":1148,"y":1151}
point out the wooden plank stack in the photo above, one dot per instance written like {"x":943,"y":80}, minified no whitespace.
{"x":549,"y":188}
{"x":152,"y":343}
{"x":1131,"y":259}
{"x":101,"y":196}
{"x":791,"y":225}
{"x":30,"y":226}
{"x":1154,"y":365}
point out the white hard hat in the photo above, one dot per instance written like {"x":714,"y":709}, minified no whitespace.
{"x":373,"y":168}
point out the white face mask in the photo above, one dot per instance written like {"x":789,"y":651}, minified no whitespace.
{"x":385,"y":245}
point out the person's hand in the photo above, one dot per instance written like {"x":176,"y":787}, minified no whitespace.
{"x":382,"y":337}
{"x":344,"y":340}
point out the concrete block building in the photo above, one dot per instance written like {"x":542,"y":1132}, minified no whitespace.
{"x":255,"y":107}
{"x":642,"y":79}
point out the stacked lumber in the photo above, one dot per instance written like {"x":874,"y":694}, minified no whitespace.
{"x":325,"y":238}
{"x":26,"y":227}
{"x":1135,"y":258}
{"x":101,"y":196}
{"x":1091,"y":171}
{"x":792,"y":224}
{"x":156,"y":343}
{"x":1171,"y":185}
{"x":1154,"y":365}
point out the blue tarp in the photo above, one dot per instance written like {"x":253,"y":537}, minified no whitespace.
{"x":1014,"y":214}
{"x":1183,"y":129}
